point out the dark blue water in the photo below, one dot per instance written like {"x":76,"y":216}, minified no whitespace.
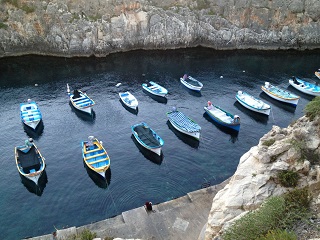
{"x":69,"y":195}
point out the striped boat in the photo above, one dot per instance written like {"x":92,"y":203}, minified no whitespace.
{"x":280,"y":94}
{"x":184,"y":124}
{"x":30,"y":114}
{"x":80,"y":101}
{"x":95,"y":156}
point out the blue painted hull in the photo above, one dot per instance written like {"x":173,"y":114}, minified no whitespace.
{"x":235,"y":127}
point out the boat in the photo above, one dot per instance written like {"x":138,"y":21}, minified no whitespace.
{"x":280,"y":94}
{"x":304,"y":86}
{"x":317,"y":73}
{"x":253,"y":103}
{"x":95,"y":156}
{"x":30,"y":114}
{"x":148,"y":138}
{"x":155,"y":89}
{"x":184,"y":124}
{"x":29,"y":161}
{"x":80,"y":100}
{"x":191,"y":83}
{"x":223,"y":117}
{"x":129,"y":100}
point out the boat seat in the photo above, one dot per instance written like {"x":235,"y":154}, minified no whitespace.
{"x":79,"y":98}
{"x":97,"y":155}
{"x":101,"y":160}
{"x":93,"y":150}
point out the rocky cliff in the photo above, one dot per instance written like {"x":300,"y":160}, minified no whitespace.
{"x":94,"y":27}
{"x":295,"y":148}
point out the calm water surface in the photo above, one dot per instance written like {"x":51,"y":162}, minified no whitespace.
{"x":70,"y":195}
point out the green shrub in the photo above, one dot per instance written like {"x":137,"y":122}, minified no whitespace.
{"x":3,"y":25}
{"x":312,"y":109}
{"x":27,"y":9}
{"x":279,"y":234}
{"x":86,"y":234}
{"x":288,"y":178}
{"x":12,"y":2}
{"x":269,"y":142}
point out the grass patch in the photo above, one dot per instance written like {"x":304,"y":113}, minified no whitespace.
{"x":86,"y":234}
{"x":312,"y":109}
{"x":28,"y":9}
{"x":279,"y":234}
{"x":94,"y":18}
{"x":310,"y":155}
{"x":3,"y":25}
{"x":12,"y":2}
{"x":288,"y":178}
{"x":268,"y":142}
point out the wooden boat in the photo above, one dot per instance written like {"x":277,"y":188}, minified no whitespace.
{"x":304,"y":86}
{"x":191,"y":83}
{"x":129,"y":100}
{"x":253,"y":103}
{"x":155,"y":89}
{"x":95,"y":156}
{"x":148,"y":138}
{"x":317,"y":73}
{"x":30,"y":114}
{"x":223,"y":117}
{"x":280,"y":94}
{"x":29,"y":161}
{"x":184,"y":124}
{"x":80,"y":100}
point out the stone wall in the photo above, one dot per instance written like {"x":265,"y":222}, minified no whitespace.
{"x":94,"y":27}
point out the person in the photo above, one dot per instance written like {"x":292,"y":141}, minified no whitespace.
{"x":209,"y":105}
{"x":148,"y":206}
{"x":76,"y":94}
{"x":29,"y":143}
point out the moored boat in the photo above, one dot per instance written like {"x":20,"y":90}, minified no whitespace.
{"x":30,"y":114}
{"x":317,"y":73}
{"x":29,"y":161}
{"x":191,"y":83}
{"x":280,"y":94}
{"x":155,"y":89}
{"x":223,"y":117}
{"x":147,"y":137}
{"x":184,"y":124}
{"x":253,"y":103}
{"x":80,"y":100}
{"x":304,"y":86}
{"x":95,"y":156}
{"x":129,"y":100}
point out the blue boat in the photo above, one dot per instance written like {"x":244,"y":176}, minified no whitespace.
{"x":184,"y":124}
{"x":191,"y":83}
{"x":155,"y":89}
{"x":30,"y":114}
{"x":223,"y":117}
{"x":80,"y":100}
{"x":280,"y":94}
{"x":148,"y":138}
{"x":304,"y":86}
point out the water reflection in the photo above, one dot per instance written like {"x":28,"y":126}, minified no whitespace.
{"x":32,"y":187}
{"x":259,"y":117}
{"x":89,"y":118}
{"x":153,"y":157}
{"x":233,"y":134}
{"x":134,"y":111}
{"x":159,"y":99}
{"x":34,"y":133}
{"x":286,"y":106}
{"x":97,"y":178}
{"x":192,"y":142}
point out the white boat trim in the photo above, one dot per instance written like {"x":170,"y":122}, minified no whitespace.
{"x":252,"y":103}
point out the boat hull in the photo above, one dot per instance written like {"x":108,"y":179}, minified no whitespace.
{"x":87,"y":110}
{"x":304,"y":89}
{"x":30,"y":114}
{"x":293,"y":102}
{"x":155,"y":89}
{"x":235,"y":127}
{"x":129,"y":100}
{"x":190,"y":86}
{"x":157,"y":150}
{"x":262,"y":110}
{"x":196,"y":135}
{"x":317,"y":74}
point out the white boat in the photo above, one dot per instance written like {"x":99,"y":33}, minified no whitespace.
{"x":30,"y":114}
{"x":30,"y":162}
{"x":155,"y":89}
{"x":253,"y":103}
{"x":280,"y":94}
{"x":184,"y":124}
{"x":191,"y":83}
{"x":80,"y":100}
{"x":304,"y":86}
{"x":129,"y":100}
{"x":317,"y":73}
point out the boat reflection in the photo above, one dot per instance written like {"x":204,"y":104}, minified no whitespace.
{"x":159,"y":99}
{"x":134,"y":111}
{"x":233,"y":134}
{"x":34,"y":133}
{"x":32,"y":187}
{"x":89,"y":118}
{"x":153,"y":157}
{"x":258,"y":117}
{"x":192,"y":142}
{"x":97,"y":178}
{"x":286,"y":106}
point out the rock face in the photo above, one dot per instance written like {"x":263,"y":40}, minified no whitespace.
{"x":90,"y":27}
{"x":295,"y":148}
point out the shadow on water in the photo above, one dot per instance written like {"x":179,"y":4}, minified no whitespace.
{"x":133,"y":111}
{"x":193,"y":93}
{"x":89,"y":118}
{"x":34,"y":188}
{"x":258,"y":117}
{"x":192,"y":142}
{"x":301,"y":94}
{"x":233,"y":134}
{"x":285,"y":106}
{"x":159,"y":99}
{"x":34,"y":133}
{"x":153,"y":157}
{"x":97,"y":178}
